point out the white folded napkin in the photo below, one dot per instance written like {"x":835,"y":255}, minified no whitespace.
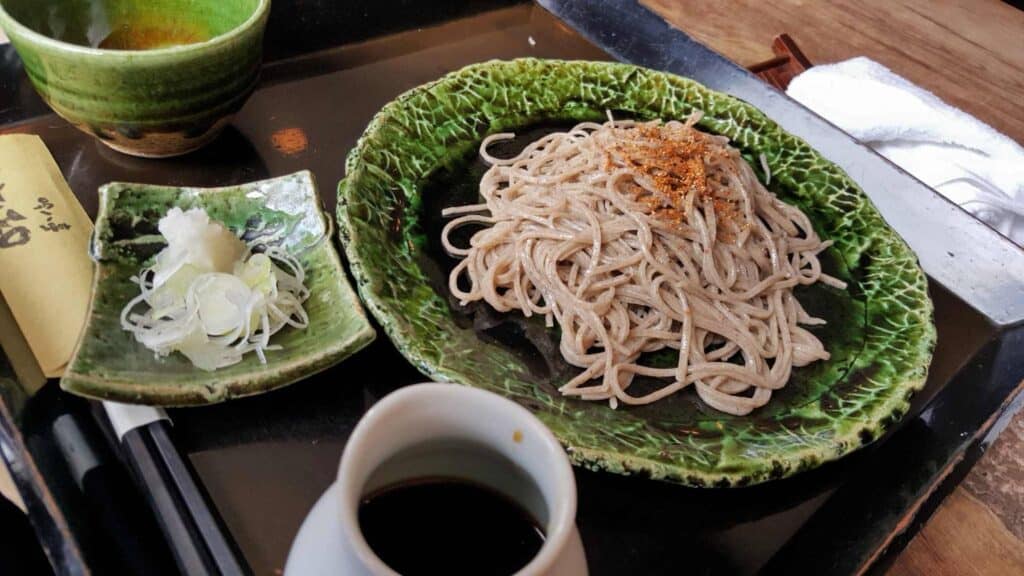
{"x":963,"y":158}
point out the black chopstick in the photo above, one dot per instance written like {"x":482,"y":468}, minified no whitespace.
{"x":196,"y":534}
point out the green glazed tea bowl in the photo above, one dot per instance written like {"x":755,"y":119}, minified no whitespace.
{"x":151,"y":78}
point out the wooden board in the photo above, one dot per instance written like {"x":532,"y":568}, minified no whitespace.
{"x":969,"y":52}
{"x":963,"y":538}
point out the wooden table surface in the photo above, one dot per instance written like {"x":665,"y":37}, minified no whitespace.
{"x":971,"y":54}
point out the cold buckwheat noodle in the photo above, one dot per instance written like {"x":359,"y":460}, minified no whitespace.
{"x":637,"y":237}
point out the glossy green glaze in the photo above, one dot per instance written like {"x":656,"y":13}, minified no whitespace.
{"x":880,"y":331}
{"x":192,"y":64}
{"x":109,"y":363}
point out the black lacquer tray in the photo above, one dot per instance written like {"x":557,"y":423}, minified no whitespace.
{"x":265,"y":460}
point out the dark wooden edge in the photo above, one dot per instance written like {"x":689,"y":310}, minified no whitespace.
{"x":47,"y":519}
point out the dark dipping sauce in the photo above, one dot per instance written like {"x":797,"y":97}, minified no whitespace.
{"x":448,"y":526}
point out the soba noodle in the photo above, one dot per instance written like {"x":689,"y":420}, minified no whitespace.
{"x":635,"y":237}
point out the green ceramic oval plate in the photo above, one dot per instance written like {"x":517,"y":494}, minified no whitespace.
{"x":110,"y":365}
{"x":416,"y":157}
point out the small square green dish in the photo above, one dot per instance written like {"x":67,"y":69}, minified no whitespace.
{"x":109,"y":364}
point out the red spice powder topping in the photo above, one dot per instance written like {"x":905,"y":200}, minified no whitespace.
{"x":674,"y":161}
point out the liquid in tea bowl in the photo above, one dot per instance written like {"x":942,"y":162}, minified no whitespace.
{"x":152,"y":78}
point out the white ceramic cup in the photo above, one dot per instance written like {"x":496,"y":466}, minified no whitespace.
{"x":414,"y":417}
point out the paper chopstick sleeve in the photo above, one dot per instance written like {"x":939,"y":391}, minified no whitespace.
{"x":45,"y":270}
